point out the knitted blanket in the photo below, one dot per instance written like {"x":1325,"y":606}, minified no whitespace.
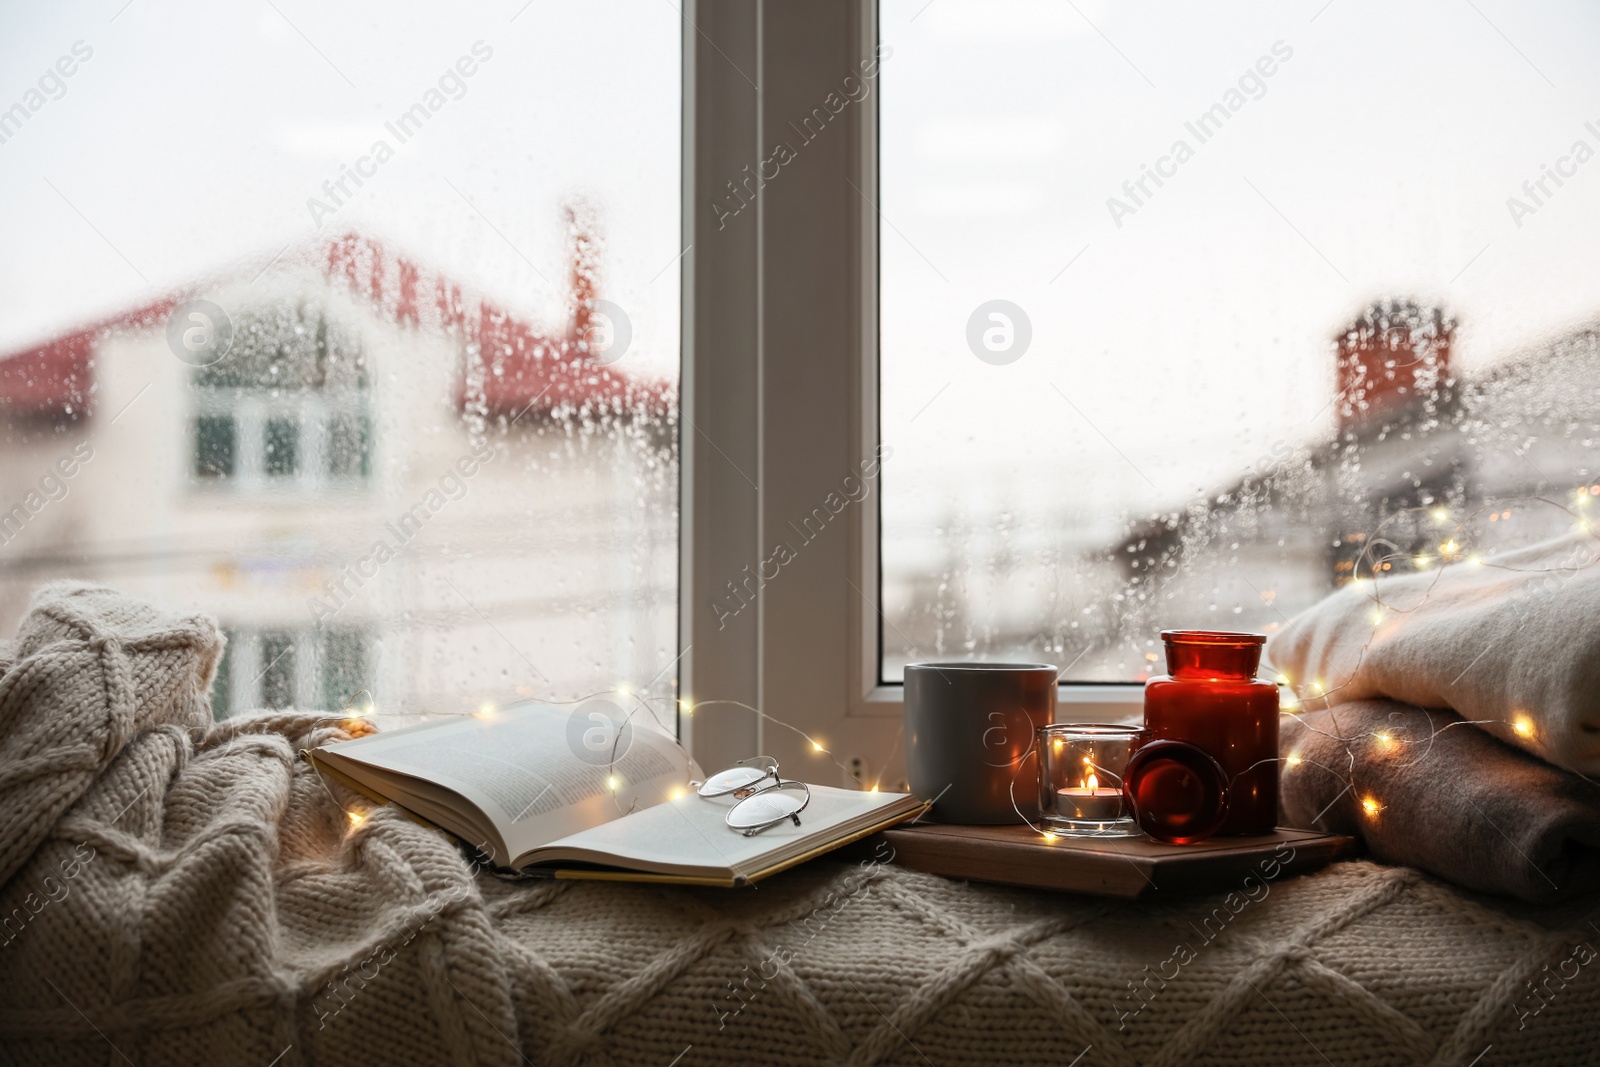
{"x":1510,"y":644}
{"x":178,"y":892}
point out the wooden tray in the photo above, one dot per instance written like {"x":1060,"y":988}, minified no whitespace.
{"x":1128,"y":867}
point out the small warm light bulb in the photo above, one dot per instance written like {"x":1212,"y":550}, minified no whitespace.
{"x":1523,"y":726}
{"x":1422,"y":562}
{"x":1318,"y":685}
{"x":612,"y":783}
{"x":816,"y":746}
{"x":486,"y":712}
{"x":1377,"y":616}
{"x":874,"y":788}
{"x":674,"y":795}
{"x":356,"y":818}
{"x":622,"y":689}
{"x":1370,"y":806}
{"x":1293,"y":761}
{"x":1475,"y":561}
{"x":1288,"y":700}
{"x":1441,"y":515}
{"x":1384,"y":741}
{"x":1048,"y":836}
{"x":1284,"y":678}
{"x":1449,"y":547}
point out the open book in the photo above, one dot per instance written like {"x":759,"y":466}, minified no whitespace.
{"x":523,"y":787}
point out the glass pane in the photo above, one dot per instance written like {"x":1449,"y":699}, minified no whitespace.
{"x":1192,"y":313}
{"x":344,"y":656}
{"x":282,"y":448}
{"x":213,"y":446}
{"x":277,"y":674}
{"x":367,"y":346}
{"x":349,"y":455}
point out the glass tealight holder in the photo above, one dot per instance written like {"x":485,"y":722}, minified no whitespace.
{"x":1080,"y":779}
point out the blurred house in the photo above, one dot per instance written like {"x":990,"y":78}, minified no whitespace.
{"x":1426,"y":467}
{"x":381,"y":480}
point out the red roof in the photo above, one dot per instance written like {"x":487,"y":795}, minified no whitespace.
{"x":509,"y":366}
{"x":56,"y":379}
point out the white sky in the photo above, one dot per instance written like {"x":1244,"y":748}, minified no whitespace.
{"x":1191,"y":340}
{"x":1194,"y":336}
{"x":193,"y":136}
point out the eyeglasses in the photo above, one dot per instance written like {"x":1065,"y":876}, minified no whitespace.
{"x":765,"y":799}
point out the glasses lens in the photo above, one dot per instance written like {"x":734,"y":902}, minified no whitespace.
{"x":765,"y":808}
{"x":730,"y":780}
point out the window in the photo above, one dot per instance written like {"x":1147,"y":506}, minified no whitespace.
{"x":1342,"y":309}
{"x":1103,"y":383}
{"x":286,"y":406}
{"x":368,"y":349}
{"x":1188,"y":318}
{"x":328,"y":668}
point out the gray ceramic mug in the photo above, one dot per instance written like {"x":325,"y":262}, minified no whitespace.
{"x":969,"y":735}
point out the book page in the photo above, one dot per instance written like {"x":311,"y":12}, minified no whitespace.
{"x":527,"y":770}
{"x":690,"y":831}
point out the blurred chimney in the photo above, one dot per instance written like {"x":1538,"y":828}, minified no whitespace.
{"x":1393,"y":357}
{"x":584,"y":285}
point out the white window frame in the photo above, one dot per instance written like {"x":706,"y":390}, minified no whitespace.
{"x":311,"y":410}
{"x":780,"y":398}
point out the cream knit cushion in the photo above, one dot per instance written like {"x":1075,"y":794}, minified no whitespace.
{"x":201,"y":897}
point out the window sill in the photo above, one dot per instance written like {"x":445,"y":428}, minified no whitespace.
{"x":1109,"y":702}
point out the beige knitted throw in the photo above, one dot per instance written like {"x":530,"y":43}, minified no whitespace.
{"x":177,"y":892}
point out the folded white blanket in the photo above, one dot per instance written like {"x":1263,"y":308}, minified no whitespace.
{"x":1511,"y":643}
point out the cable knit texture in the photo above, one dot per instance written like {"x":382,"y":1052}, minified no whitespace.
{"x":177,"y":892}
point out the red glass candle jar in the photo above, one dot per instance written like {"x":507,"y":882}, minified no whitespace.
{"x":1211,"y":698}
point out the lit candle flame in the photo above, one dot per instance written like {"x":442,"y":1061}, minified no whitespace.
{"x":1093,"y":783}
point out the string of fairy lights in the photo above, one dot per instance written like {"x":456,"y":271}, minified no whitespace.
{"x":1390,"y":562}
{"x":1380,"y":557}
